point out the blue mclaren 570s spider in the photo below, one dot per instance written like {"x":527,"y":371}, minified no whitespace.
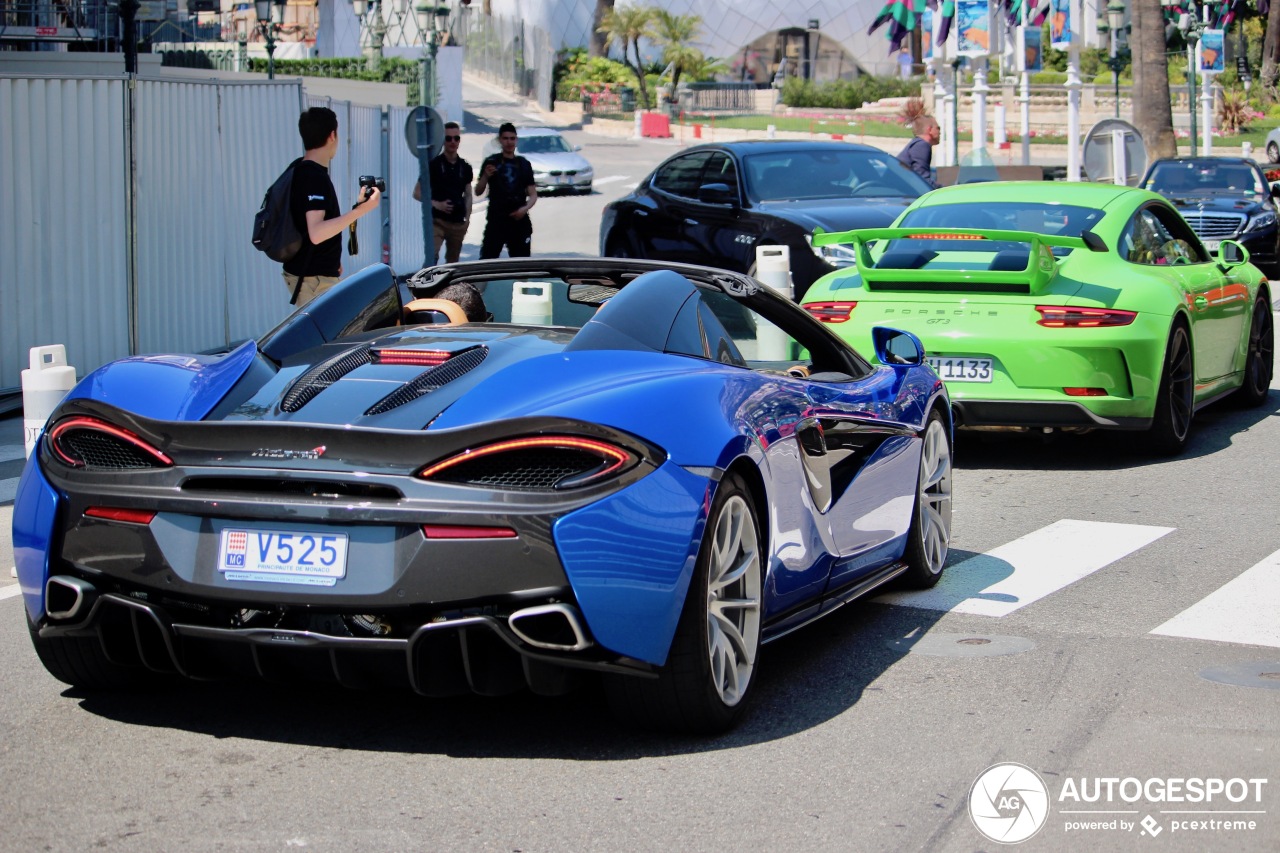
{"x":639,"y":469}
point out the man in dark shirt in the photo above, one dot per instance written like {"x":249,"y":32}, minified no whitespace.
{"x":314,"y":204}
{"x":450,"y":195}
{"x":918,"y":154}
{"x":508,"y":177}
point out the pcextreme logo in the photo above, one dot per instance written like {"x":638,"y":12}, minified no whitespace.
{"x":1010,"y":803}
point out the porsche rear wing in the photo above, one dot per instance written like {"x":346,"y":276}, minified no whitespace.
{"x":1039,"y":269}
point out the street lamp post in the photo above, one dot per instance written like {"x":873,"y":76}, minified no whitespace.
{"x":1119,"y":57}
{"x":425,"y":13}
{"x":270,"y":18}
{"x":377,"y":28}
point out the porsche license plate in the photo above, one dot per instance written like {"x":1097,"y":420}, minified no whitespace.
{"x":282,"y":556}
{"x":955,"y":369}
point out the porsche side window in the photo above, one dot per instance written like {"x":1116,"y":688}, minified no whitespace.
{"x":1186,"y":249}
{"x":683,"y":175}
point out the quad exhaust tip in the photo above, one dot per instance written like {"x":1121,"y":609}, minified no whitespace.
{"x":550,"y":626}
{"x":67,"y":597}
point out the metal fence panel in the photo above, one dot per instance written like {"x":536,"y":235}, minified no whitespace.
{"x":62,"y":221}
{"x":407,"y":253}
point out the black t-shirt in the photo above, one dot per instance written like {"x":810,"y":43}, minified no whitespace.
{"x":449,"y":182}
{"x":313,"y":190}
{"x":508,"y":187}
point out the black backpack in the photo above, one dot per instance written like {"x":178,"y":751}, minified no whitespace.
{"x":274,"y":230}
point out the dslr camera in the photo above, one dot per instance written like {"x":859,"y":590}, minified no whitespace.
{"x":368,"y":182}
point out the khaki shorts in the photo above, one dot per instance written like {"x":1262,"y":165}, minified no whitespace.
{"x":451,"y":234}
{"x":312,"y":286}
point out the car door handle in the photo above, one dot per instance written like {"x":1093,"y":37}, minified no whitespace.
{"x":642,"y":213}
{"x":691,"y":222}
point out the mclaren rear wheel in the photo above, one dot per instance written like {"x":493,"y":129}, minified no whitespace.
{"x":81,"y":662}
{"x":929,"y":539}
{"x":1259,"y":361}
{"x":706,"y":682}
{"x":1175,"y":402}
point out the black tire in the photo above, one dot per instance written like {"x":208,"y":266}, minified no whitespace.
{"x":616,"y":247}
{"x":929,"y":539}
{"x":1259,"y":361}
{"x":81,"y":662}
{"x":706,"y":682}
{"x":1175,"y":402}
{"x":1273,"y":152}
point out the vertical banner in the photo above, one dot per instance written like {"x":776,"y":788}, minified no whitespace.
{"x":1060,"y":25}
{"x":973,"y":27}
{"x":1034,"y":49}
{"x":926,"y":35}
{"x":1209,"y":51}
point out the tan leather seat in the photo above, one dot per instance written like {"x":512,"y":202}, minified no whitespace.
{"x":439,"y":311}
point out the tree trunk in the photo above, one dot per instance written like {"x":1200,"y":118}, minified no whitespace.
{"x":1271,"y":53}
{"x":598,"y":44}
{"x":638,"y":68}
{"x":1152,"y":112}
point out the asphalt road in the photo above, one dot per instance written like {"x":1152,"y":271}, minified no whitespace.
{"x":1105,"y":616}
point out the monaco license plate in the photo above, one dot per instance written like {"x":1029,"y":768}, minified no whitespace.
{"x":955,"y":369}
{"x":282,"y":556}
{"x":1212,"y":245}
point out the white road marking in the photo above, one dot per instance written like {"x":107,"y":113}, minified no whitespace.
{"x":1245,"y":610}
{"x":612,"y":179}
{"x":1029,"y":568}
{"x":13,"y":590}
{"x":631,"y":186}
{"x":535,"y":117}
{"x":8,"y":489}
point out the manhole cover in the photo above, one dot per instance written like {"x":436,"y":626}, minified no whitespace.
{"x":1265,"y":674}
{"x":937,"y":644}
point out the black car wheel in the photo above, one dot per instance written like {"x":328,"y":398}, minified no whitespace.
{"x":706,"y":681}
{"x":1259,"y":362}
{"x":81,"y":662}
{"x":1273,"y":152}
{"x":1175,"y":402}
{"x":929,"y":539}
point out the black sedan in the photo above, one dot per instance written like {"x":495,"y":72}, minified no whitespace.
{"x":1223,"y":198}
{"x":714,"y":204}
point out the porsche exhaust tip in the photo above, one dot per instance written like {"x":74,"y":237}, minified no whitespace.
{"x":550,"y":626}
{"x":67,"y":597}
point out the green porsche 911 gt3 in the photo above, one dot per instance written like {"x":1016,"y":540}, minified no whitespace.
{"x":1069,"y":306}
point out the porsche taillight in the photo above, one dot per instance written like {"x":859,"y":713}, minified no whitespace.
{"x":84,"y":442}
{"x":831,"y":312}
{"x":536,"y":463}
{"x":1060,"y":317}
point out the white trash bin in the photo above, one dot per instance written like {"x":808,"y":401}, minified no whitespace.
{"x":44,"y":385}
{"x":531,"y":303}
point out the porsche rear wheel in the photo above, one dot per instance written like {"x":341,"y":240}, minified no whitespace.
{"x":1175,"y":403}
{"x":929,"y":538}
{"x":706,"y":681}
{"x":1259,"y":362}
{"x":81,"y":662}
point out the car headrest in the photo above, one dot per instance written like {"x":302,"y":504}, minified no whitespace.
{"x":442,"y":311}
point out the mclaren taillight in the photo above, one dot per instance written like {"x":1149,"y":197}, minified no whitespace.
{"x":831,"y":312}
{"x":1059,"y":317}
{"x":84,"y":442}
{"x":420,"y":358}
{"x":116,"y":513}
{"x":537,"y":463}
{"x":462,"y":531}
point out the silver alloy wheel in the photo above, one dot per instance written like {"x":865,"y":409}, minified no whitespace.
{"x":935,"y":496}
{"x":733,"y":600}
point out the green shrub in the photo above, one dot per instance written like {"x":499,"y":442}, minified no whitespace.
{"x":845,"y":94}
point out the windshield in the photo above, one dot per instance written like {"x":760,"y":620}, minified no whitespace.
{"x":824,"y":173}
{"x":543,"y":145}
{"x":1063,"y":220}
{"x":1205,"y":177}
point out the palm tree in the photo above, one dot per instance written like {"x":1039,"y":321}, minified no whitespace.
{"x":701,"y":67}
{"x":627,"y":25}
{"x":599,"y":44}
{"x":1152,"y":112}
{"x":675,"y":33}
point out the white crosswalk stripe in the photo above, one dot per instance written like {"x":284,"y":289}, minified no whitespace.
{"x":1029,"y":568}
{"x":610,"y":180}
{"x":1245,"y":610}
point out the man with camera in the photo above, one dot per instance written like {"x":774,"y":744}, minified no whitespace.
{"x":314,"y":204}
{"x":450,"y":195}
